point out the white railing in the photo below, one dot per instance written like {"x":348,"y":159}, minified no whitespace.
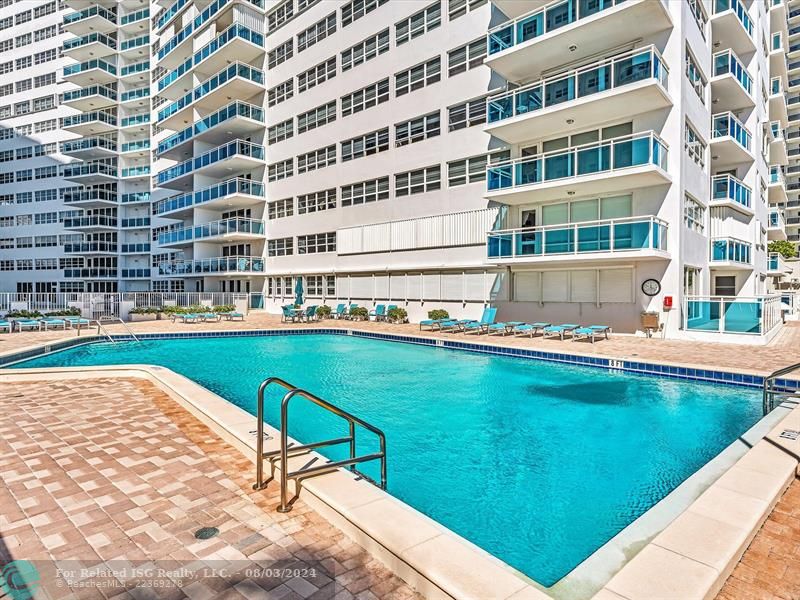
{"x":756,"y":315}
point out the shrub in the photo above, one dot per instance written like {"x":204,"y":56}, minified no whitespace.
{"x":223,"y":308}
{"x":67,"y":312}
{"x":359,"y":312}
{"x":783,"y":247}
{"x":438,"y":313}
{"x":24,"y":314}
{"x":324,"y":311}
{"x":144,"y":310}
{"x":397,"y":315}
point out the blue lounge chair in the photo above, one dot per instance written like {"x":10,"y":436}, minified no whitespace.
{"x":186,"y":317}
{"x":455,"y":325}
{"x":530,"y":328}
{"x":290,"y":313}
{"x":433,"y":324}
{"x":504,"y":328}
{"x":591,"y":332}
{"x":22,"y":324}
{"x":77,"y":322}
{"x":350,"y":311}
{"x":210,"y":316}
{"x":339,"y":311}
{"x":379,"y":312}
{"x":310,"y":314}
{"x":5,"y":325}
{"x":232,"y":316}
{"x":559,"y":330}
{"x":53,"y":323}
{"x":481,"y":326}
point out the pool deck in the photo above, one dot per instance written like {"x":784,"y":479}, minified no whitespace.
{"x":768,"y":568}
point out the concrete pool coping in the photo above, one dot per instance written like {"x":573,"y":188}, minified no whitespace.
{"x":690,"y":558}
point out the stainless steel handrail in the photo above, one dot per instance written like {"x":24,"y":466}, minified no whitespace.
{"x":768,"y":399}
{"x":114,"y":319}
{"x":282,"y":454}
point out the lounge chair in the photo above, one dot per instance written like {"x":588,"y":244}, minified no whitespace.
{"x":53,"y":323}
{"x":591,"y":332}
{"x":289,"y":313}
{"x":310,"y":314}
{"x":504,"y":328}
{"x":5,"y":325}
{"x":379,"y":312}
{"x":559,"y":330}
{"x":77,"y":322}
{"x":22,"y":324}
{"x":339,"y":314}
{"x":455,"y":325}
{"x":530,"y":328}
{"x":209,"y":316}
{"x":232,"y":316}
{"x":185,"y":317}
{"x":349,"y":311}
{"x":483,"y":325}
{"x":433,"y":324}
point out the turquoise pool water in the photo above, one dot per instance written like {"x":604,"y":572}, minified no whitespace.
{"x":538,"y":463}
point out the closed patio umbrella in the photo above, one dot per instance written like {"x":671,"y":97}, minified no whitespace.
{"x":298,"y":291}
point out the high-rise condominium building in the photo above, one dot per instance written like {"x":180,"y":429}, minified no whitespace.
{"x":571,"y":161}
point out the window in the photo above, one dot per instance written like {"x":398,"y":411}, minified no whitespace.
{"x":370,"y":143}
{"x":316,"y":202}
{"x":418,"y":181}
{"x":23,"y":85}
{"x":22,"y":17}
{"x":316,"y":75}
{"x":6,"y":156}
{"x":22,"y":108}
{"x":280,"y":54}
{"x":6,"y":243}
{"x":43,"y":80}
{"x":316,"y":117}
{"x":466,"y":57}
{"x":6,"y":221}
{"x":316,"y":243}
{"x":418,"y":77}
{"x":467,"y":114}
{"x":280,"y":16}
{"x":22,"y":153}
{"x":418,"y":24}
{"x":691,"y":281}
{"x":330,"y":285}
{"x":314,"y":285}
{"x":46,"y":172}
{"x":458,"y":8}
{"x":695,"y":76}
{"x":473,"y":169}
{"x":418,"y":129}
{"x":45,"y":9}
{"x":45,"y":33}
{"x":317,"y":32}
{"x":278,"y":209}
{"x":6,"y":134}
{"x":6,"y":265}
{"x":279,"y":93}
{"x":43,"y":103}
{"x":699,"y":14}
{"x":6,"y":89}
{"x":46,"y":241}
{"x":725,"y":285}
{"x":280,"y":132}
{"x":365,"y":191}
{"x":46,"y":56}
{"x":46,"y":195}
{"x":356,"y":9}
{"x":24,"y":62}
{"x":366,"y":50}
{"x":22,"y":40}
{"x":693,"y":214}
{"x":46,"y":264}
{"x":280,"y":247}
{"x":24,"y":264}
{"x":316,"y":159}
{"x":6,"y":23}
{"x":280,"y":170}
{"x":694,"y":146}
{"x":365,"y":98}
{"x":42,"y":126}
{"x":6,"y":67}
{"x":24,"y":175}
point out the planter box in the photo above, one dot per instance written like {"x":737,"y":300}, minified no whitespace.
{"x":134,"y":318}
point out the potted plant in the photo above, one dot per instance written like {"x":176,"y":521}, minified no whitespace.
{"x":324,"y":312}
{"x":359,"y":313}
{"x":143,"y":313}
{"x":438,"y":313}
{"x":397,"y":315}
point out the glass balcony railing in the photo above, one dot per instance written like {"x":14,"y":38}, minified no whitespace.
{"x":135,"y":68}
{"x":726,"y":62}
{"x":775,"y":220}
{"x":616,"y":72}
{"x":82,"y":119}
{"x":234,"y":148}
{"x":86,"y":247}
{"x":135,"y":273}
{"x":726,"y":124}
{"x":236,"y":108}
{"x":609,"y":235}
{"x":543,"y":20}
{"x":88,"y":144}
{"x":136,"y":171}
{"x":89,"y":169}
{"x":739,"y":9}
{"x":212,"y":229}
{"x":226,"y":264}
{"x":133,"y":17}
{"x":777,"y":41}
{"x":589,"y":159}
{"x":135,"y":94}
{"x":775,"y":86}
{"x":93,"y":221}
{"x":134,"y":146}
{"x":138,"y":42}
{"x":92,"y":11}
{"x":731,"y":250}
{"x":170,"y":12}
{"x":237,"y":185}
{"x":141,"y":248}
{"x":737,"y":315}
{"x":86,"y":92}
{"x":89,"y":196}
{"x":91,"y":38}
{"x":776,"y":176}
{"x":134,"y":120}
{"x":90,"y":273}
{"x":777,"y":131}
{"x":234,"y":31}
{"x":135,"y":197}
{"x":135,"y":222}
{"x":89,"y":65}
{"x":209,"y":85}
{"x":728,"y":187}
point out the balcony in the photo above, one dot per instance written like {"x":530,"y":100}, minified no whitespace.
{"x":514,"y":8}
{"x":777,"y":265}
{"x":776,"y":226}
{"x":89,"y":148}
{"x":236,"y":43}
{"x":90,"y":248}
{"x":776,"y":188}
{"x":778,"y":63}
{"x":135,"y":171}
{"x":87,"y":46}
{"x":91,"y":72}
{"x":135,"y":72}
{"x":135,"y":223}
{"x":135,"y":273}
{"x":90,"y":98}
{"x":135,"y":198}
{"x":91,"y":223}
{"x":166,"y":16}
{"x":731,"y":253}
{"x":614,"y":165}
{"x":730,"y":141}
{"x":732,"y":27}
{"x":736,"y":315}
{"x":778,"y":16}
{"x":238,"y":80}
{"x":778,"y":154}
{"x":141,"y":248}
{"x":134,"y":121}
{"x":225,"y":231}
{"x":134,"y":21}
{"x":236,"y":156}
{"x":731,"y":84}
{"x":777,"y":102}
{"x":236,"y":193}
{"x":239,"y":120}
{"x":629,"y":238}
{"x":597,"y":93}
{"x":136,"y":94}
{"x":227,"y":265}
{"x":95,"y":18}
{"x":91,"y":273}
{"x":139,"y":146}
{"x":728,"y":191}
{"x":536,"y":42}
{"x":91,"y":198}
{"x":91,"y":173}
{"x":135,"y":47}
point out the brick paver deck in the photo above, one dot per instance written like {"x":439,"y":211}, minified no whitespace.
{"x":111,"y":475}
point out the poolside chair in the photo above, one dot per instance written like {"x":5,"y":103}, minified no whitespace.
{"x":481,"y":326}
{"x":433,"y":324}
{"x":559,"y":330}
{"x":53,"y":323}
{"x":23,"y":324}
{"x":310,"y":314}
{"x":232,"y":316}
{"x":379,"y":312}
{"x":185,"y":317}
{"x":530,"y":328}
{"x":289,"y":313}
{"x":350,"y":310}
{"x":5,"y":326}
{"x":77,"y":322}
{"x":504,"y":328}
{"x":590,"y":332}
{"x":455,"y":325}
{"x":339,"y":314}
{"x":209,"y":316}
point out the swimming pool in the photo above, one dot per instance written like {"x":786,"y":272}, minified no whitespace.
{"x":538,"y":463}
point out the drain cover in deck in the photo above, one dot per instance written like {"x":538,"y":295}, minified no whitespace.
{"x":790,"y":434}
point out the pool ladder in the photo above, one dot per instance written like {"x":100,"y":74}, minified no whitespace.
{"x":288,"y":450}
{"x":102,"y":329}
{"x":770,"y":393}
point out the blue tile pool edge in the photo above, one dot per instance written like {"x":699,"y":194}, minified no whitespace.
{"x":640,"y":367}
